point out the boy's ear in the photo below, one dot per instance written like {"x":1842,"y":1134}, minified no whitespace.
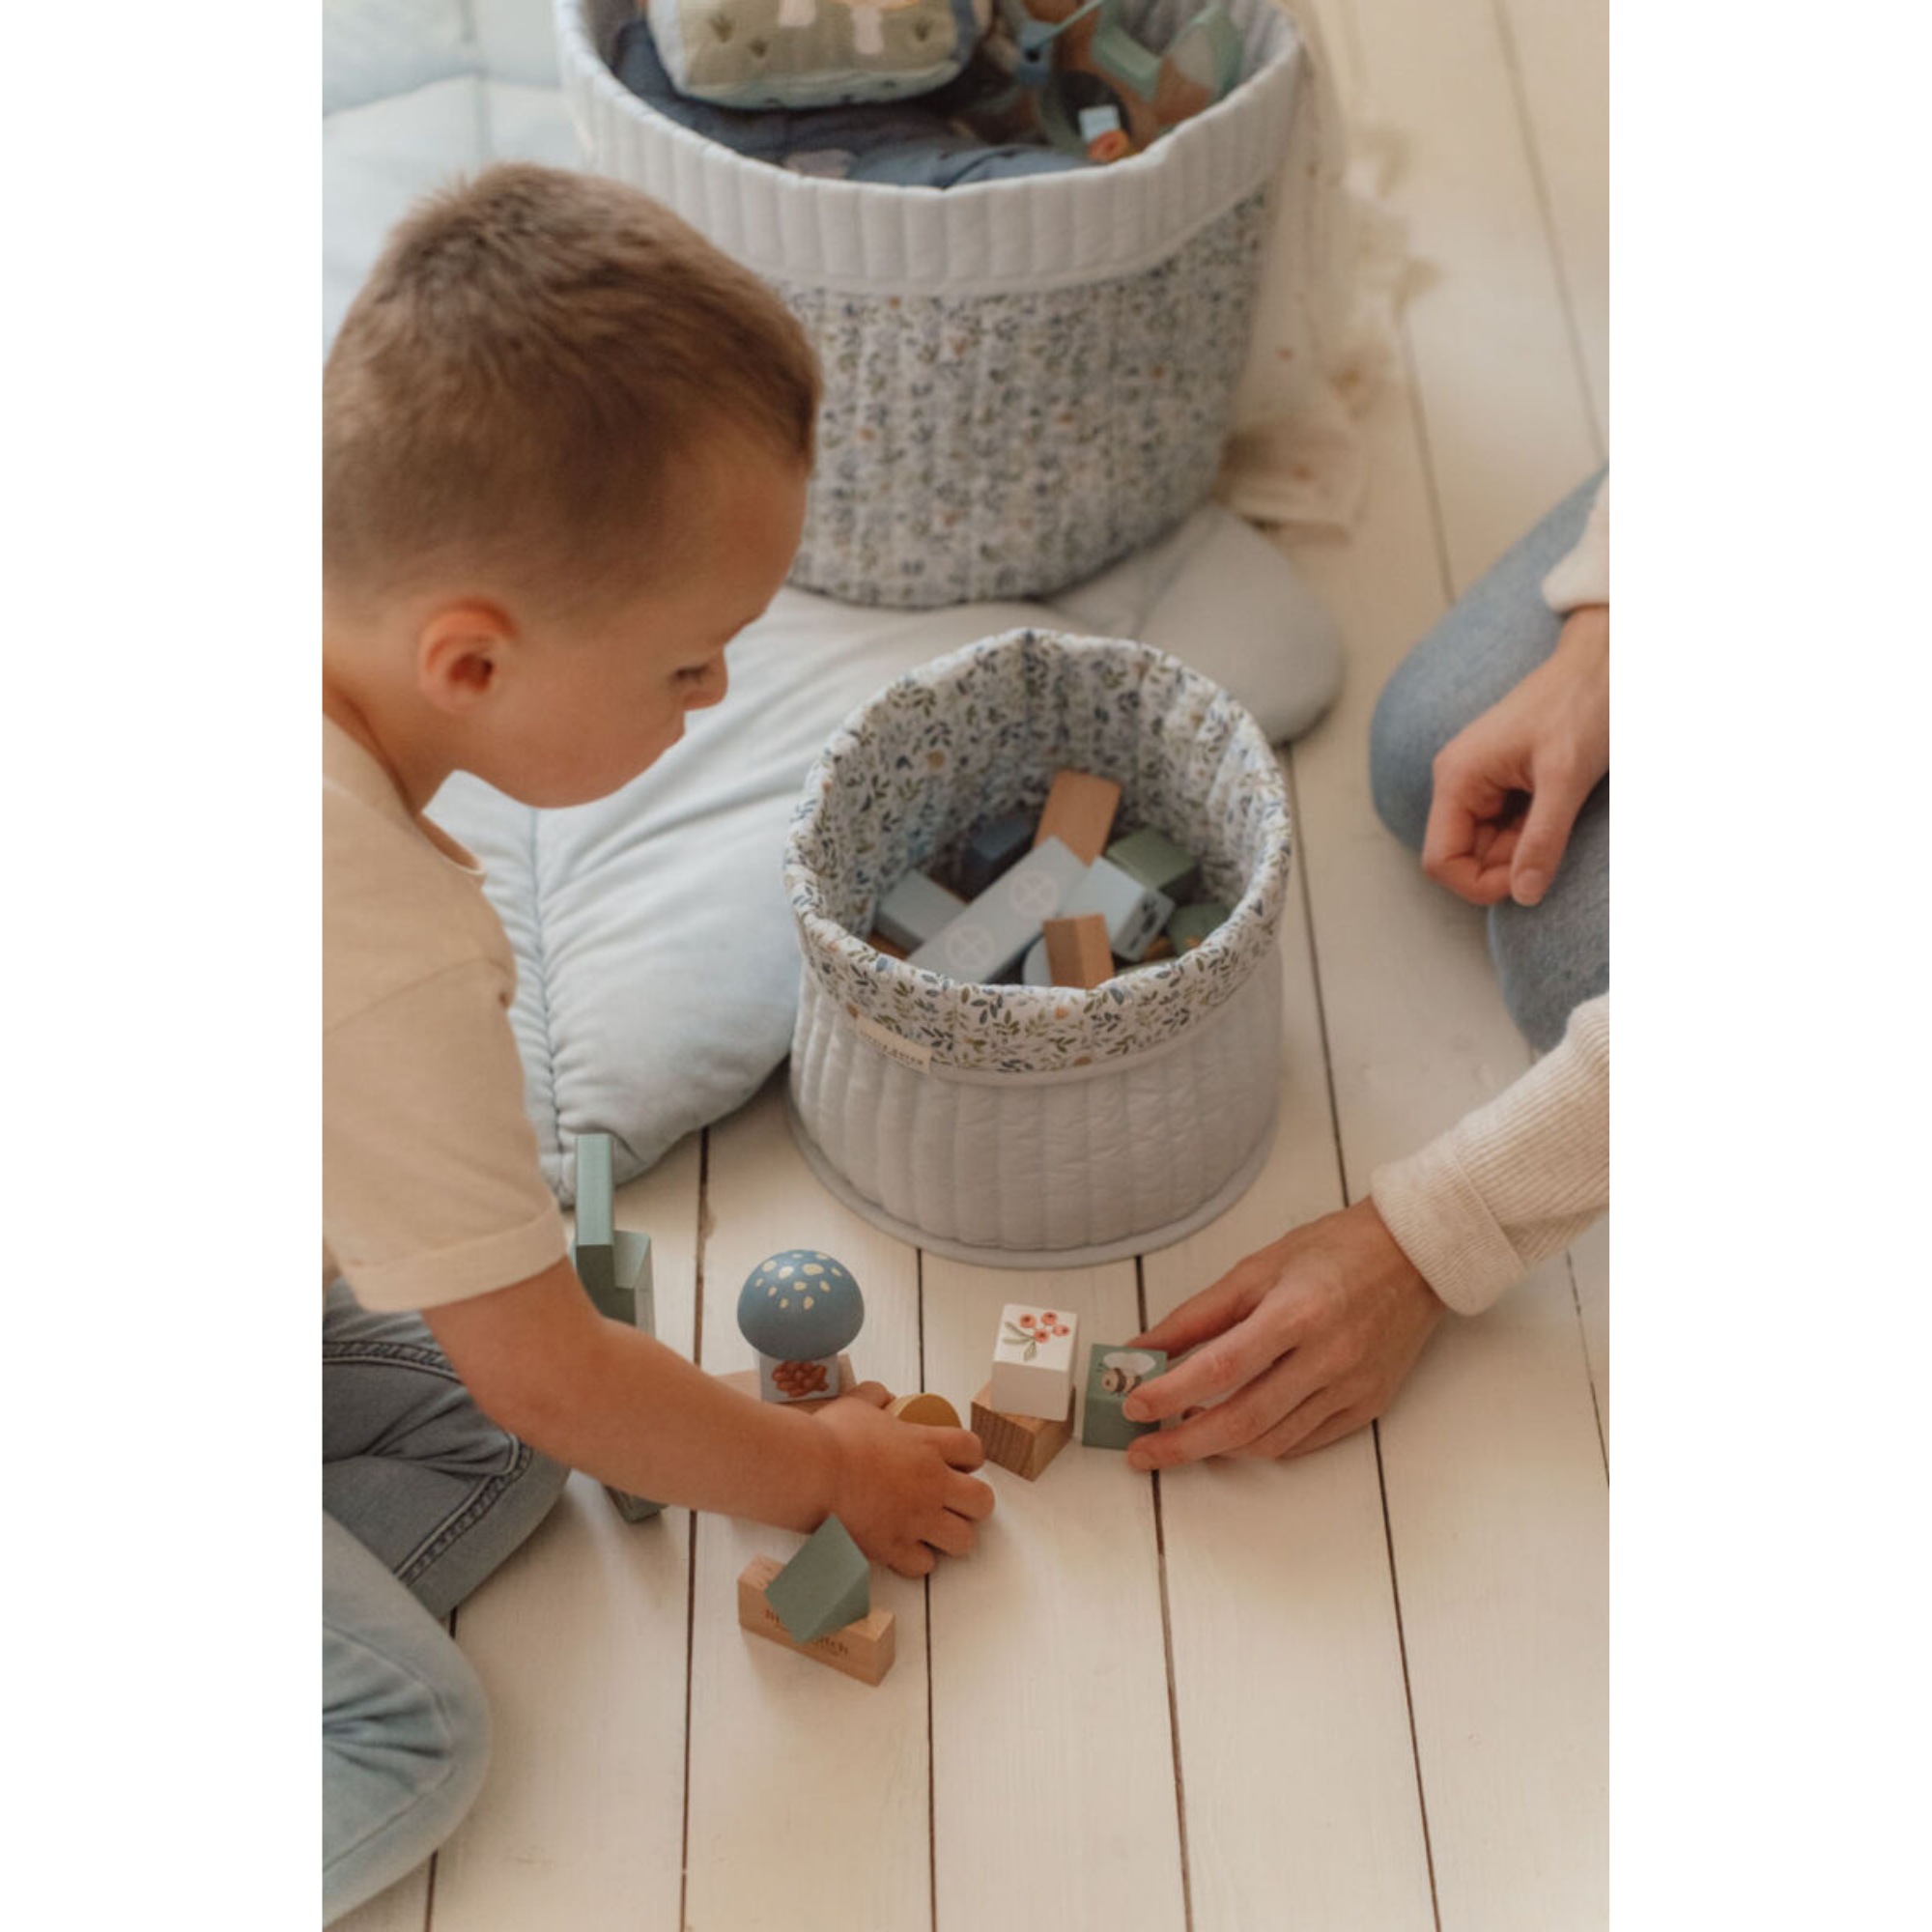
{"x":461,"y":653}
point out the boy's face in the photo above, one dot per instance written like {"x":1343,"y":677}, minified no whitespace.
{"x":587,"y":713}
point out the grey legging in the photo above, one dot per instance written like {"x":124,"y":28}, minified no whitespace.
{"x":1552,"y":957}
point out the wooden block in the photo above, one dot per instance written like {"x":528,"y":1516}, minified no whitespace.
{"x":593,"y":1248}
{"x":1025,"y":1444}
{"x":1192,"y":923}
{"x":1113,"y":1371}
{"x":615,"y":1266}
{"x":1161,"y":949}
{"x":1079,"y":812}
{"x":934,"y":1411}
{"x":864,"y":1650}
{"x":1033,"y":1363}
{"x":1135,"y":913}
{"x":916,"y":909}
{"x":826,"y":1586}
{"x":993,"y":848}
{"x":1152,"y":857}
{"x":746,"y":1383}
{"x":1077,"y":950}
{"x":879,"y":943}
{"x":993,"y":932}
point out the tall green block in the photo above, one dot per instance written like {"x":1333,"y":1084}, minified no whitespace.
{"x":1113,"y":1371}
{"x":615,"y":1266}
{"x":826,"y":1586}
{"x":594,"y":1253}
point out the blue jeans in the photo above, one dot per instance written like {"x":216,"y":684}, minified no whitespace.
{"x":1552,"y":957}
{"x":422,"y":1496}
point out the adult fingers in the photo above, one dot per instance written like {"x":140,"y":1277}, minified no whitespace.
{"x":1300,"y":1422}
{"x":1332,"y":1431}
{"x":1228,"y":1424}
{"x":1553,"y":806}
{"x":1228,"y":1362}
{"x":1203,"y":1316}
{"x":912,"y":1559}
{"x":968,"y":1495}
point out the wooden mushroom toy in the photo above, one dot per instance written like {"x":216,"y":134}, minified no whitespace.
{"x":798,"y":1309}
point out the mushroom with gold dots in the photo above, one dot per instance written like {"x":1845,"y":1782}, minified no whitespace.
{"x":798,"y":1309}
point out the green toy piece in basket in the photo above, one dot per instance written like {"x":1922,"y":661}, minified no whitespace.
{"x":1055,"y":67}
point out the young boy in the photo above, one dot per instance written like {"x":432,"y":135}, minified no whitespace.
{"x":565,"y":450}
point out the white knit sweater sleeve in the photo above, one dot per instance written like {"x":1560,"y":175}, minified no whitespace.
{"x":1514,"y":1182}
{"x":1583,"y":577}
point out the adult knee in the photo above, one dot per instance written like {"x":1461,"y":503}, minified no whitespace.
{"x":1551,"y":957}
{"x":1403,"y":738}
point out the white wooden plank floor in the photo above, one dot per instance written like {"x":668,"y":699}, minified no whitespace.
{"x":1364,"y":1689}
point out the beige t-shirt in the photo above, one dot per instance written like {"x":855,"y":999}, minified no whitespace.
{"x":430,"y":1187}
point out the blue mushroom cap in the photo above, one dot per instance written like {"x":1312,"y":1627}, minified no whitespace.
{"x":799,"y":1305}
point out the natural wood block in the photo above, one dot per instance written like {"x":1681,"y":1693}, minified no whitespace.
{"x":933,"y":1410}
{"x":1078,"y":951}
{"x":746,"y":1382}
{"x":1079,"y":812}
{"x":864,"y":1650}
{"x":1025,"y":1444}
{"x":879,"y":943}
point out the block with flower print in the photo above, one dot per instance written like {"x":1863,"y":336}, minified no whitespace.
{"x":1033,"y":1362}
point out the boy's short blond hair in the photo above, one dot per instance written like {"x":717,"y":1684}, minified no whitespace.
{"x":521,"y":387}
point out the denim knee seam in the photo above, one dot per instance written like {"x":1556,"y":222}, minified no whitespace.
{"x":412,"y":1354}
{"x":458,"y":1522}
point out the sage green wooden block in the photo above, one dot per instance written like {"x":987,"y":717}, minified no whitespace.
{"x":826,"y":1586}
{"x":1152,"y":857}
{"x":615,"y":1266}
{"x":1192,"y":923}
{"x":594,"y":1250}
{"x":1113,"y":1371}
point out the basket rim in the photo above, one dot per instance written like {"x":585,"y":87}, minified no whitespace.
{"x":1261,"y":900}
{"x":1173,"y":175}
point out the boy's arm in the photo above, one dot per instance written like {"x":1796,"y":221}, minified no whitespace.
{"x":605,"y":1399}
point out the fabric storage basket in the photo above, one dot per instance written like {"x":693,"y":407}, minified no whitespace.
{"x":1024,"y":380}
{"x":1037,"y":1126}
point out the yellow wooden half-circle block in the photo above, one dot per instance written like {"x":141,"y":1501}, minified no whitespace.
{"x":933,"y":1410}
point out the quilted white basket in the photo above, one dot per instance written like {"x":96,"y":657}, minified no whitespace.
{"x":1024,"y":380}
{"x":1030,"y":1126}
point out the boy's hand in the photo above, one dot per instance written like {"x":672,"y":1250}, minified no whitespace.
{"x":898,"y":1487}
{"x":1509,"y":786}
{"x":1307,"y":1340}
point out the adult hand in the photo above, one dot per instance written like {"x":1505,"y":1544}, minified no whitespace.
{"x":1306,"y":1340}
{"x":900,"y":1487}
{"x":1509,"y":787}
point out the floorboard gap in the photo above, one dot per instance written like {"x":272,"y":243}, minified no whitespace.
{"x":1167,"y":1645}
{"x":691,"y":1552}
{"x":932,"y":1770}
{"x":1407,"y":1693}
{"x":1590,"y":1366}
